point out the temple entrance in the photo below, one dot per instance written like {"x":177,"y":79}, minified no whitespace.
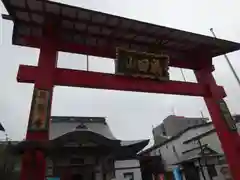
{"x":191,"y":171}
{"x":77,"y":177}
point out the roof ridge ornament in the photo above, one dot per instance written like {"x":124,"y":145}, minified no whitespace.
{"x":81,"y":126}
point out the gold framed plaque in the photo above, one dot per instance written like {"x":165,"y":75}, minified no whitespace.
{"x":39,"y":114}
{"x":141,"y":64}
{"x":227,"y":115}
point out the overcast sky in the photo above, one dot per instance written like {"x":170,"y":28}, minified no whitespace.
{"x":130,"y":115}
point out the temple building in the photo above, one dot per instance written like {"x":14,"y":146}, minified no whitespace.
{"x":84,"y":148}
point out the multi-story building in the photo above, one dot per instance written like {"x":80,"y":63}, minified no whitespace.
{"x":172,"y":125}
{"x":197,"y":145}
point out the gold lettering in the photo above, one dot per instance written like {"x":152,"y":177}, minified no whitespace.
{"x":40,"y":101}
{"x":130,"y":63}
{"x":227,"y":115}
{"x":155,"y":67}
{"x":42,"y":94}
{"x":143,"y":65}
{"x":40,"y":109}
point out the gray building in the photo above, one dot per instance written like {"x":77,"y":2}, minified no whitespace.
{"x":172,"y":125}
{"x":194,"y":144}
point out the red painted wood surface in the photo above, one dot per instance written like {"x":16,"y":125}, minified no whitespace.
{"x":77,"y":78}
{"x":44,"y":79}
{"x":188,"y":62}
{"x":229,"y":139}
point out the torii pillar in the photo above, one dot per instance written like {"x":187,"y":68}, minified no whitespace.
{"x":228,"y":135}
{"x":33,"y":162}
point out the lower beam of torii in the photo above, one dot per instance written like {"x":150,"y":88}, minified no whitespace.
{"x":86,"y":79}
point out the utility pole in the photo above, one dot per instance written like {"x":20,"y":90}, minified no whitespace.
{"x":202,"y":114}
{"x":204,"y":159}
{"x":183,"y":75}
{"x":228,"y":61}
{"x":87,"y":63}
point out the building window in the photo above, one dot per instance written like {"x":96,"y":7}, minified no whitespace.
{"x":159,"y":152}
{"x":212,"y":170}
{"x":128,"y":175}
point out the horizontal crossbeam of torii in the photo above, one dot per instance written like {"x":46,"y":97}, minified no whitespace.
{"x":78,"y":78}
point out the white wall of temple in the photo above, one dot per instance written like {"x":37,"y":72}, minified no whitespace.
{"x":66,"y":160}
{"x":127,"y":163}
{"x":128,"y":167}
{"x":58,"y":129}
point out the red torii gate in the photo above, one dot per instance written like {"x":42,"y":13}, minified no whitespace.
{"x":54,"y":27}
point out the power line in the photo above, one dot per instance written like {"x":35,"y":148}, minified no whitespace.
{"x":87,"y":63}
{"x":202,"y":114}
{"x":228,"y":61}
{"x":183,"y":75}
